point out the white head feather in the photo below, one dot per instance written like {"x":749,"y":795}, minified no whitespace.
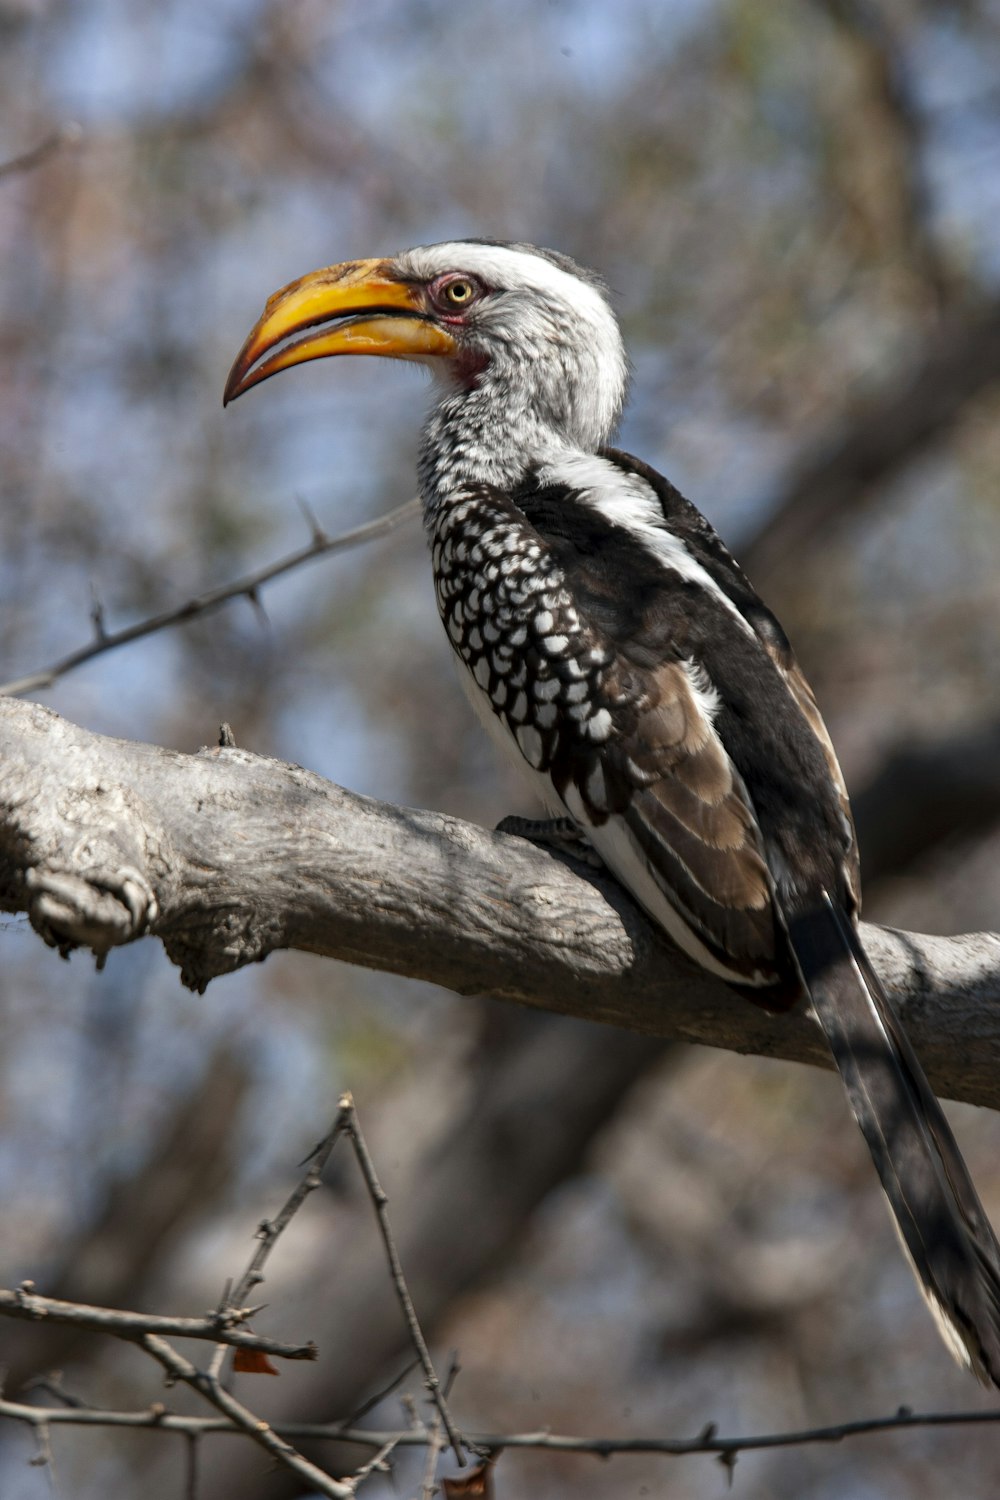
{"x":554,"y":371}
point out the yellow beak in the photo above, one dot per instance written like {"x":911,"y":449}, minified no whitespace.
{"x":379,"y":314}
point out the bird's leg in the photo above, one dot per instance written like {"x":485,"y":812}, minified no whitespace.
{"x":559,"y":834}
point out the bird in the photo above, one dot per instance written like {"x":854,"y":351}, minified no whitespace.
{"x":618,"y":654}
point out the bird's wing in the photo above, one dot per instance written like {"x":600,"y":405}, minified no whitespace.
{"x":686,"y":521}
{"x":668,"y":812}
{"x":705,"y":786}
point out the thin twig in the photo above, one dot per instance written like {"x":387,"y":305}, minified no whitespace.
{"x":26,"y":1303}
{"x":380,"y":1395}
{"x":179,"y":1368}
{"x":709,"y":1440}
{"x":321,"y":545}
{"x":270,"y":1230}
{"x":376,"y":1464}
{"x":43,"y":1458}
{"x":435,"y":1443}
{"x":191,"y":1468}
{"x":381,"y":1202}
{"x":69,"y":134}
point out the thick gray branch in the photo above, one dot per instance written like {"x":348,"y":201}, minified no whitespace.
{"x":226,"y":856}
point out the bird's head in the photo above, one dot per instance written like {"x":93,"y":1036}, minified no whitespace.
{"x":523,"y":328}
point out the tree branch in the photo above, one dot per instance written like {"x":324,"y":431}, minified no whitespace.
{"x":709,"y":1440}
{"x":179,"y":1368}
{"x":227,"y":856}
{"x":246,"y":587}
{"x":26,"y":1303}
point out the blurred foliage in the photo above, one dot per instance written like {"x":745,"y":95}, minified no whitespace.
{"x":789,"y":198}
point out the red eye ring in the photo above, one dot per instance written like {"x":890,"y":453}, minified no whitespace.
{"x":455,"y":293}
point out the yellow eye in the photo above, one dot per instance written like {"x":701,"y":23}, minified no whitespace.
{"x":459,"y":293}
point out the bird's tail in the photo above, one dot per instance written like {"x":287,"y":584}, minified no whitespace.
{"x":938,"y":1216}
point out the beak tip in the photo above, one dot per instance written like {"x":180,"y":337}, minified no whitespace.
{"x":234,"y":385}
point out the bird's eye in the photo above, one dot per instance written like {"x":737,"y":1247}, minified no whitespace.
{"x":459,"y":292}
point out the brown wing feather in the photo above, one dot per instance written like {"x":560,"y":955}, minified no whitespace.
{"x":686,"y":817}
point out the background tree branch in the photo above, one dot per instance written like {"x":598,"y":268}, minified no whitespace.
{"x":227,"y":856}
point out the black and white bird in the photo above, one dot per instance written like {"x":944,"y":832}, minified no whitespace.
{"x":617,"y":651}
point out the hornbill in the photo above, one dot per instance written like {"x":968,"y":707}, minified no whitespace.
{"x":618,"y":652}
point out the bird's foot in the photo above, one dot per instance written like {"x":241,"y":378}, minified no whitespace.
{"x":559,"y":834}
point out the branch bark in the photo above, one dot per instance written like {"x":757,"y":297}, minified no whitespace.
{"x":226,"y":856}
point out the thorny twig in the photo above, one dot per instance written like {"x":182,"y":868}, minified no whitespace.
{"x":179,"y":1368}
{"x":146,"y":1332}
{"x":269,"y":1231}
{"x":27,"y":1304}
{"x":376,"y":1464}
{"x":247,"y":587}
{"x":709,"y":1440}
{"x":379,"y":1199}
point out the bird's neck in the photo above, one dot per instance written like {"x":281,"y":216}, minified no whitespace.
{"x":471,"y":438}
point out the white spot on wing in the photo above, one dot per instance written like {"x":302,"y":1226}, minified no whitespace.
{"x":599,"y":727}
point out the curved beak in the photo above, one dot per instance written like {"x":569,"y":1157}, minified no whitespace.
{"x":370,"y":312}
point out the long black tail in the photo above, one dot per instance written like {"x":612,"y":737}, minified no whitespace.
{"x":938,"y":1216}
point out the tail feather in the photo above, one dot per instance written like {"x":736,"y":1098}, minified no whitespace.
{"x":937,"y":1213}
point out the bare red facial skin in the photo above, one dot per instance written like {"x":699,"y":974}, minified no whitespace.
{"x":468,"y":364}
{"x":467,"y":367}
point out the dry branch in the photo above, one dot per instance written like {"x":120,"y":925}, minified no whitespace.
{"x":709,"y":1440}
{"x":227,"y":856}
{"x":24,"y":1302}
{"x":247,"y":587}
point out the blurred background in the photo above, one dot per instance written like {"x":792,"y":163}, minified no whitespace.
{"x":796,"y":203}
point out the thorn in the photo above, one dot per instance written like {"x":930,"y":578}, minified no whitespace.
{"x":319,"y":536}
{"x":728,"y":1462}
{"x":254,"y":597}
{"x":97,"y":614}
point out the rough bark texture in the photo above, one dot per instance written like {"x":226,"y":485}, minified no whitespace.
{"x":226,"y":856}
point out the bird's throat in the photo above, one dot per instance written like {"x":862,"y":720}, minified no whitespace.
{"x":474,"y":438}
